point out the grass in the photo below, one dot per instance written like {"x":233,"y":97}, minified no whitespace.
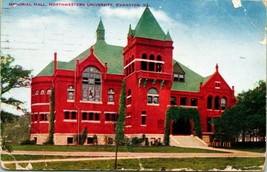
{"x":109,"y":148}
{"x":153,"y":164}
{"x":6,"y":157}
{"x":251,"y":149}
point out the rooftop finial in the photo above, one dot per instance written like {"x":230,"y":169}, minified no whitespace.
{"x":92,"y":49}
{"x":217,"y":67}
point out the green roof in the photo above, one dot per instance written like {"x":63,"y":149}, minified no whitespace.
{"x":49,"y":69}
{"x":148,"y":27}
{"x":110,"y":54}
{"x":192,"y":80}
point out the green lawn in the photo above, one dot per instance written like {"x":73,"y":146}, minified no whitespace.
{"x":153,"y":164}
{"x":79,"y":148}
{"x":5,"y":157}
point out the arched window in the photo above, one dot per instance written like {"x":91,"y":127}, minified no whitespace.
{"x":70,"y":92}
{"x":42,"y":92}
{"x":159,"y":65}
{"x":144,"y":63}
{"x":209,"y":102}
{"x":223,"y":103}
{"x":217,"y":103}
{"x":152,"y":96}
{"x":151,"y":64}
{"x":48,"y":92}
{"x":110,"y":95}
{"x":36,"y":92}
{"x":129,"y":97}
{"x":91,"y":84}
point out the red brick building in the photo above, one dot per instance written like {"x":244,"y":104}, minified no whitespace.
{"x":87,"y":89}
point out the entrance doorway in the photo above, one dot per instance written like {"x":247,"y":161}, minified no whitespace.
{"x":181,"y":127}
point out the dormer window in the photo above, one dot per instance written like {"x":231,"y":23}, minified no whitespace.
{"x":178,"y":73}
{"x":178,"y":77}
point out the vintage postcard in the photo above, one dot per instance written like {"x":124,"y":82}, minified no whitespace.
{"x":156,"y":85}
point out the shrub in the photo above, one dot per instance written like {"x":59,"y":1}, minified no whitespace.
{"x":28,"y":142}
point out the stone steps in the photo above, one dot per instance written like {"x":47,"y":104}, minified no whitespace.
{"x":187,"y":141}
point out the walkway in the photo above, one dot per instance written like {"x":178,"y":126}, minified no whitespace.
{"x":88,"y":156}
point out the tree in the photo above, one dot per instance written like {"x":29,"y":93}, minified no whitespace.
{"x":50,"y":139}
{"x":247,"y":117}
{"x":18,"y":130}
{"x":12,"y":76}
{"x":119,"y":138}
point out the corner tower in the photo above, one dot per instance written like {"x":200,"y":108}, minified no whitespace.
{"x":148,"y":75}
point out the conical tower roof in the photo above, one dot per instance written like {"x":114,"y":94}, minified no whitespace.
{"x":100,"y":31}
{"x":148,"y":27}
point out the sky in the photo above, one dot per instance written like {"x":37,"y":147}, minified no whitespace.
{"x":204,"y":33}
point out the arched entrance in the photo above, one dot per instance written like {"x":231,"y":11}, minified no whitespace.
{"x":181,"y":127}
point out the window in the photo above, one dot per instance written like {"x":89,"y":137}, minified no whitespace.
{"x":70,"y":92}
{"x":42,"y":92}
{"x":151,"y":64}
{"x":110,"y":95}
{"x":129,"y":96}
{"x":173,"y":100}
{"x":36,"y":92}
{"x":223,"y":103}
{"x":178,"y":77}
{"x":209,"y":102}
{"x":93,"y":116}
{"x":69,"y":140}
{"x":43,"y":117}
{"x":217,"y":85}
{"x":153,"y":96}
{"x":144,"y":63}
{"x":91,"y":84}
{"x":90,"y":140}
{"x":183,"y":101}
{"x":217,"y":103}
{"x":84,"y":116}
{"x":158,"y":65}
{"x":143,"y":118}
{"x":110,"y":117}
{"x":194,"y":102}
{"x":70,"y":115}
{"x":48,"y":92}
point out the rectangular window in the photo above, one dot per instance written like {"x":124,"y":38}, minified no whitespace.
{"x":70,"y":140}
{"x":143,"y":118}
{"x":149,"y":99}
{"x":91,"y":116}
{"x":73,"y":115}
{"x":173,"y":100}
{"x":96,"y":116}
{"x":67,"y":115}
{"x":90,"y":140}
{"x":84,"y":116}
{"x":194,"y":102}
{"x":217,"y":85}
{"x":183,"y":101}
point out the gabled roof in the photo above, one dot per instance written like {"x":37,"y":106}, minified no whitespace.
{"x":192,"y":80}
{"x":148,"y":27}
{"x":110,"y":54}
{"x":49,"y":69}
